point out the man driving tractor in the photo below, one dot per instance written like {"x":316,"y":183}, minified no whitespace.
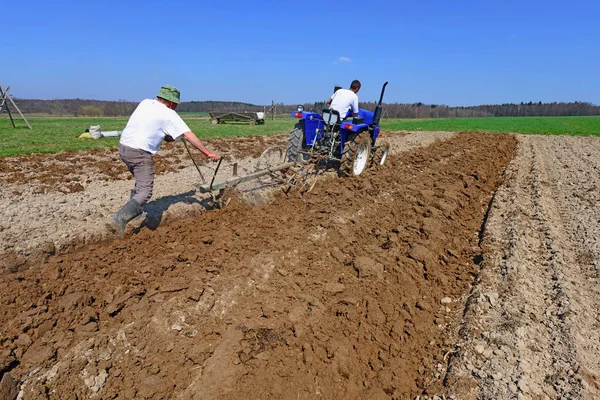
{"x":345,"y":99}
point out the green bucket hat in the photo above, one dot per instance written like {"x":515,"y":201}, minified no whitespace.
{"x":169,"y":93}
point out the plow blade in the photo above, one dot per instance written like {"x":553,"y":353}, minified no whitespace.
{"x":236,"y":180}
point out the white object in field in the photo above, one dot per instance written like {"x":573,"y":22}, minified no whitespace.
{"x":95,"y":132}
{"x":111,"y":133}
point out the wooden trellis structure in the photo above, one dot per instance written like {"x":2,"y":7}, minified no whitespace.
{"x":273,"y":110}
{"x":4,"y":100}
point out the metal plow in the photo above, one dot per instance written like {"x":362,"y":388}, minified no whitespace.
{"x":270,"y":171}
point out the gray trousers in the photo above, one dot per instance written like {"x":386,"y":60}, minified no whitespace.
{"x":140,"y":164}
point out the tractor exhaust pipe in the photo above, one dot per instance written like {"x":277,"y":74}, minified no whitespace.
{"x":377,"y":114}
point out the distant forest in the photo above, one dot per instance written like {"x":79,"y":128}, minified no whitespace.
{"x":99,"y":108}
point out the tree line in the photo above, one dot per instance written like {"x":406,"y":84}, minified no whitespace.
{"x":76,"y":107}
{"x":420,"y":110}
{"x":99,"y":108}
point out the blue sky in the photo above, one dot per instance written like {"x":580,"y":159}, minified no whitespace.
{"x":457,"y":53}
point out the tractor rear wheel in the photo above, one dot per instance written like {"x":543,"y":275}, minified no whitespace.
{"x":380,"y":154}
{"x":356,"y":154}
{"x":294,"y":145}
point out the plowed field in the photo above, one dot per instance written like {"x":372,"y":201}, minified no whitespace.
{"x":466,"y":267}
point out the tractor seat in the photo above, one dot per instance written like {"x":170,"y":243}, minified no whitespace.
{"x":332,"y":118}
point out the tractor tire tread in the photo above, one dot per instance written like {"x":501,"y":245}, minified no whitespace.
{"x":349,"y":152}
{"x":379,"y":155}
{"x":294,"y":145}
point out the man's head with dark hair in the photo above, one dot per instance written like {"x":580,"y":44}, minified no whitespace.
{"x":355,"y":85}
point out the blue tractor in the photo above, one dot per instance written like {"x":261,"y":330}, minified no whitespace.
{"x":329,"y":136}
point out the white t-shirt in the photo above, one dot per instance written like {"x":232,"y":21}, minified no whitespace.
{"x":344,"y":99}
{"x":149,"y":124}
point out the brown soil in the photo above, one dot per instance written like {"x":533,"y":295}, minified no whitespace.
{"x":370,"y":287}
{"x":68,"y":171}
{"x":532,"y":325}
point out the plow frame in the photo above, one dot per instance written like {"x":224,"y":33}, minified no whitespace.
{"x":287,"y":175}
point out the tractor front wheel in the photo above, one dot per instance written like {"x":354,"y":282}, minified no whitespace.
{"x":356,"y":154}
{"x":380,"y":154}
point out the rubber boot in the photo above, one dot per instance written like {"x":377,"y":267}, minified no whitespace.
{"x":128,"y":212}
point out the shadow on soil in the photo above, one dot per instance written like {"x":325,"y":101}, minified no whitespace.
{"x":156,"y":208}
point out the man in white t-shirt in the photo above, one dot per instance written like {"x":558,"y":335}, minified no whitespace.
{"x":153,"y":121}
{"x":344,"y":100}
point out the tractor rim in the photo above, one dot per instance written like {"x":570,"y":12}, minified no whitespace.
{"x":362,"y":156}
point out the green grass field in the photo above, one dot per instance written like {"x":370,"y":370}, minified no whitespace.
{"x":528,"y":125}
{"x":53,"y":134}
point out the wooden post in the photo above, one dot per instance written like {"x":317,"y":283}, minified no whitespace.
{"x":4,"y":95}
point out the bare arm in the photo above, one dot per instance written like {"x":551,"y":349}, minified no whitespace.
{"x":354,"y":107}
{"x":193,"y":139}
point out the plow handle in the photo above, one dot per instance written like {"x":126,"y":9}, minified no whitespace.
{"x":215,"y":174}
